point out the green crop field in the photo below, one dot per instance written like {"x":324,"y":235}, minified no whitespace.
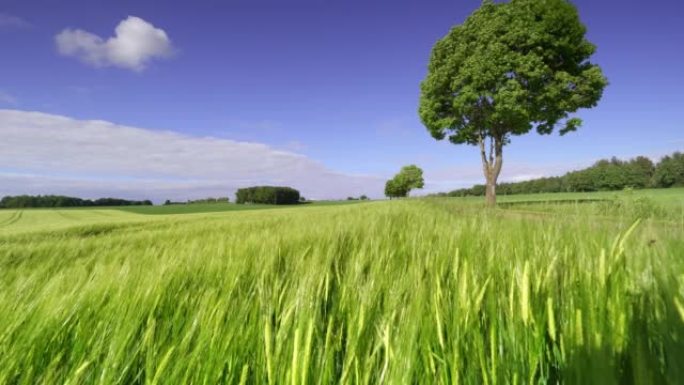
{"x":219,"y":207}
{"x":417,"y":291}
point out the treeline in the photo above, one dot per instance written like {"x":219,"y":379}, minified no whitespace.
{"x":604,"y":175}
{"x":210,"y":200}
{"x":199,"y":201}
{"x":273,"y":195}
{"x":26,"y":201}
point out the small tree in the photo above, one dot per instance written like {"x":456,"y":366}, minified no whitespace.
{"x":394,"y":189}
{"x":509,"y":68}
{"x":409,"y":178}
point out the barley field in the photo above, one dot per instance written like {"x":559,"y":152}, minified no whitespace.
{"x":417,"y":291}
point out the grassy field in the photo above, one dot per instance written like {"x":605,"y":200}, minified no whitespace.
{"x":671,"y":197}
{"x":431,"y":291}
{"x":41,"y":220}
{"x":219,"y":207}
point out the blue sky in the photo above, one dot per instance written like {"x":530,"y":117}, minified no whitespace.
{"x":332,"y":86}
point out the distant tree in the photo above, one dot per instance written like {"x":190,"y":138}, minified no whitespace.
{"x":670,"y":171}
{"x":275,"y":195}
{"x":167,"y":202}
{"x":605,"y":174}
{"x":21,"y":201}
{"x":510,"y":67}
{"x":394,"y":189}
{"x":640,"y":172}
{"x":409,"y":178}
{"x":209,"y":200}
{"x":363,"y":198}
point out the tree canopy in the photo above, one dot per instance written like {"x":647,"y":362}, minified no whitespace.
{"x":275,"y":195}
{"x":509,"y":68}
{"x":409,"y":177}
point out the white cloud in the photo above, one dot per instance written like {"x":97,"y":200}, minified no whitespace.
{"x":6,"y":98}
{"x":43,"y":154}
{"x":11,"y":21}
{"x":134,"y":44}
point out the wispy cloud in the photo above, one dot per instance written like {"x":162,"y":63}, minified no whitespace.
{"x":134,"y":45}
{"x":12,"y":22}
{"x":6,"y":98}
{"x":42,"y":153}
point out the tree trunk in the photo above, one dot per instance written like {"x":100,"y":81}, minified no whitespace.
{"x":490,"y":192}
{"x":491,"y":165}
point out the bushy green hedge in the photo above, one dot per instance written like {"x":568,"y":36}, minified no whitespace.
{"x":274,"y":195}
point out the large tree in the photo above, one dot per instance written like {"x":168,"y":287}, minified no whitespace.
{"x":509,"y":68}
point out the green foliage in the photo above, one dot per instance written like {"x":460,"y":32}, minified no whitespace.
{"x":25,"y":201}
{"x":209,"y":200}
{"x":605,"y":175}
{"x":633,"y":207}
{"x":670,"y":171}
{"x":407,"y":292}
{"x":409,"y":177}
{"x":394,"y":189}
{"x":274,"y":195}
{"x":509,"y":68}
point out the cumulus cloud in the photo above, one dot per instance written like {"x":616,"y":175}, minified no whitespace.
{"x":135,"y":43}
{"x":42,"y":154}
{"x":11,"y":21}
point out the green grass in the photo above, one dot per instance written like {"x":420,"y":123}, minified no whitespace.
{"x":673,"y":197}
{"x":14,"y":221}
{"x":42,"y":220}
{"x":434,"y":291}
{"x":193,"y":208}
